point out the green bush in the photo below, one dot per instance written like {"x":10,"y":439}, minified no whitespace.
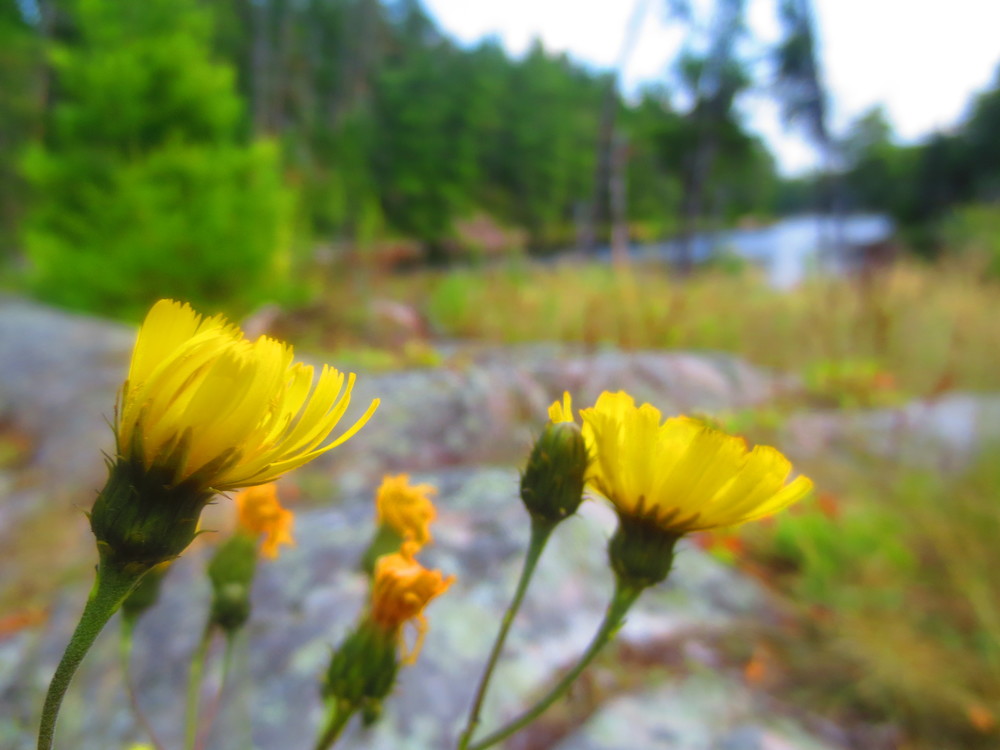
{"x":143,"y":188}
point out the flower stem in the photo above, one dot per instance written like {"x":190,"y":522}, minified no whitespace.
{"x":624,"y":597}
{"x":340,"y":714}
{"x":194,"y":688}
{"x":125,"y":652}
{"x":213,"y":708}
{"x":541,"y":530}
{"x":112,"y":585}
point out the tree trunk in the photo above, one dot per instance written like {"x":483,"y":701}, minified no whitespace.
{"x":617,"y":189}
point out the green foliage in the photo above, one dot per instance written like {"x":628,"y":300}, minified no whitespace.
{"x":897,"y":567}
{"x":850,"y":383}
{"x":20,"y":113}
{"x":974,"y":232}
{"x":386,"y":128}
{"x":823,"y":551}
{"x":544,"y":157}
{"x":922,"y":185}
{"x":426,"y":164}
{"x":913,"y":331}
{"x":656,"y":135}
{"x":142,"y":189}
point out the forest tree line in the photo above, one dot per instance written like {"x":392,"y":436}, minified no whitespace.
{"x":134,"y":132}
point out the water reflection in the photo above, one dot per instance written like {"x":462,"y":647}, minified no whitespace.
{"x":789,"y":249}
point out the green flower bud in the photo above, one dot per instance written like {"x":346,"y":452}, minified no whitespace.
{"x":231,"y":573}
{"x":552,"y":482}
{"x":363,"y":670}
{"x":145,"y":594}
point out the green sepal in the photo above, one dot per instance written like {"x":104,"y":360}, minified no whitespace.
{"x":640,"y":551}
{"x":363,"y":670}
{"x":140,"y":520}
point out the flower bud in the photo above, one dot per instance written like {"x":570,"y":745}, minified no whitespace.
{"x":552,"y":482}
{"x":231,"y":573}
{"x":363,"y":670}
{"x":145,"y":594}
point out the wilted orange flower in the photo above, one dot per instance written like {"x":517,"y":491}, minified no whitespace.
{"x":406,"y":508}
{"x":260,"y":512}
{"x":401,"y":589}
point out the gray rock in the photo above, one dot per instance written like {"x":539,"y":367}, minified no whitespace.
{"x":58,"y":377}
{"x":306,"y":601}
{"x":943,"y":435}
{"x":702,"y":711}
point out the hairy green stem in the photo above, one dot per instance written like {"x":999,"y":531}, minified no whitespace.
{"x":194,"y":688}
{"x":112,"y":585}
{"x":541,"y":530}
{"x":340,"y":714}
{"x":624,"y":596}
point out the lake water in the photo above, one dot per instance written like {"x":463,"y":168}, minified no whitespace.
{"x":789,"y":249}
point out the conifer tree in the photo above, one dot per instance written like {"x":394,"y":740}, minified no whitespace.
{"x":143,"y":187}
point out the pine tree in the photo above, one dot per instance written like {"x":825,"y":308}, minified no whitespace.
{"x":143,"y":187}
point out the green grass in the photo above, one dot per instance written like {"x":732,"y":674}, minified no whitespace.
{"x":892,"y":573}
{"x":918,"y":329}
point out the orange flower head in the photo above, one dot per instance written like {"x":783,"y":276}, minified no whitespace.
{"x":401,"y":590}
{"x":406,"y":508}
{"x":260,"y":512}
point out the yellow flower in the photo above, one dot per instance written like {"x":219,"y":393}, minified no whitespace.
{"x":680,"y":474}
{"x":400,"y":591}
{"x":406,"y":508}
{"x":562,"y":412}
{"x":260,"y":512}
{"x":208,"y":407}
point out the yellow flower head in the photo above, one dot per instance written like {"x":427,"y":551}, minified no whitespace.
{"x":562,"y":412}
{"x":406,"y":508}
{"x":209,"y":407}
{"x":260,"y":512}
{"x":401,"y":589}
{"x":680,"y":474}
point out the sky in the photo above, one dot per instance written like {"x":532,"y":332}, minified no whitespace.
{"x":923,"y":60}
